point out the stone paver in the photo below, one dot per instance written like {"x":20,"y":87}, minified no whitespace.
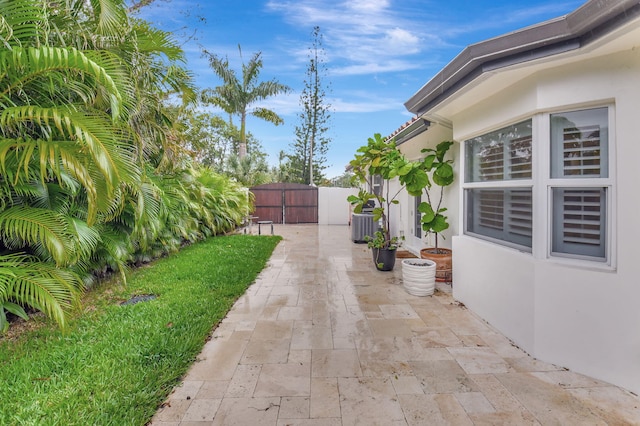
{"x":322,"y":338}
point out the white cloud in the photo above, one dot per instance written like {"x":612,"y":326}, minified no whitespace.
{"x":402,"y":40}
{"x":366,"y":106}
{"x":367,"y":6}
{"x":374,"y":68}
{"x":358,"y":102}
{"x":359,"y":33}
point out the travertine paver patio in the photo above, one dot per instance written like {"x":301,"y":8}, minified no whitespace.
{"x":322,"y":338}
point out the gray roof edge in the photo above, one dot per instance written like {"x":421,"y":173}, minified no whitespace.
{"x":582,"y":26}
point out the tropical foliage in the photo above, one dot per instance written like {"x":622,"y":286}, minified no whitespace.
{"x":93,"y":175}
{"x":381,"y":161}
{"x":213,"y":142}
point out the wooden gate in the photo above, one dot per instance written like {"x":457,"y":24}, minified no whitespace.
{"x":286,"y":202}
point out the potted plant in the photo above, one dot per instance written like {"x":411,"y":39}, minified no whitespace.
{"x":433,"y":220}
{"x":381,"y":161}
{"x":419,"y":276}
{"x":383,"y":250}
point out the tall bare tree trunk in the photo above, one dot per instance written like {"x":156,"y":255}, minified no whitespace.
{"x":311,"y":162}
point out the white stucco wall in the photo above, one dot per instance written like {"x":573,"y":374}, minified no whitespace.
{"x":579,"y":315}
{"x":411,"y":149}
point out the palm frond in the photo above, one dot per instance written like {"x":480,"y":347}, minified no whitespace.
{"x":20,"y":22}
{"x":92,"y":133}
{"x":267,"y":115}
{"x":42,"y":286}
{"x":21,"y":66}
{"x":87,"y":237}
{"x":251,"y":70}
{"x":39,"y":227}
{"x":220,"y":67}
{"x":266,"y":89}
{"x":111,"y":16}
{"x":115,"y":250}
{"x":155,"y":41}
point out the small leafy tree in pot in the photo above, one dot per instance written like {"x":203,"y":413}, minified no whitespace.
{"x":433,"y":220}
{"x":383,"y":158}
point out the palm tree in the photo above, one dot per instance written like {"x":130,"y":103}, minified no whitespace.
{"x":249,"y":171}
{"x":236,"y":96}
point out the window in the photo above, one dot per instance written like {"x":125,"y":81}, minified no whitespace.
{"x":502,"y":214}
{"x":573,"y":184}
{"x":501,"y":155}
{"x":578,"y":221}
{"x":579,"y":144}
{"x":579,"y":166}
{"x":376,"y":184}
{"x":497,"y":208}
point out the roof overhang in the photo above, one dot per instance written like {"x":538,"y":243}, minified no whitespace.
{"x":419,"y":125}
{"x":588,"y":23}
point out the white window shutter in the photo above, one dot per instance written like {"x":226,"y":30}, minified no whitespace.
{"x":579,"y":221}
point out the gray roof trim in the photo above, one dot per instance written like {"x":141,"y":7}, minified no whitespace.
{"x":414,"y":129}
{"x":586,"y":24}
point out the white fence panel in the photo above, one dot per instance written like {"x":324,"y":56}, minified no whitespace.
{"x":333,"y":207}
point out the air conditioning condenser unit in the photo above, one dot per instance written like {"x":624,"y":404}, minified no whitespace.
{"x":362,"y":226}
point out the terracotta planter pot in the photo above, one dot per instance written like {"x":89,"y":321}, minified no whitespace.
{"x":442,"y":258}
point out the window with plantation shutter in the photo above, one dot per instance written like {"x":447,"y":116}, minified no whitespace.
{"x":520,"y":216}
{"x":501,"y":214}
{"x":417,"y":216}
{"x":501,"y":155}
{"x":578,"y":223}
{"x":579,"y":153}
{"x":376,"y":183}
{"x":497,"y":210}
{"x":520,"y":158}
{"x":579,"y":144}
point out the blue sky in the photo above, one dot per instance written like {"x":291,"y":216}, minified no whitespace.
{"x":379,"y":52}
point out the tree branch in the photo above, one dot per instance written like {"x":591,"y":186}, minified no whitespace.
{"x":136,"y":6}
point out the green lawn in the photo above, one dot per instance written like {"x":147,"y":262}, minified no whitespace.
{"x":116,"y":363}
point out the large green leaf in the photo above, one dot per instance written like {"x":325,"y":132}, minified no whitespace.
{"x":427,"y":212}
{"x":443,"y":175}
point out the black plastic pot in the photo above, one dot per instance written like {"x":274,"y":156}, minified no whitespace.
{"x":384,"y":259}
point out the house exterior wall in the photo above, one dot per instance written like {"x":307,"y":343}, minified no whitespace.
{"x":577,"y":314}
{"x":411,"y":149}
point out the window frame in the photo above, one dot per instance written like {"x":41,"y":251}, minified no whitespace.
{"x":486,"y":236}
{"x":472,"y":182}
{"x":417,"y":217}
